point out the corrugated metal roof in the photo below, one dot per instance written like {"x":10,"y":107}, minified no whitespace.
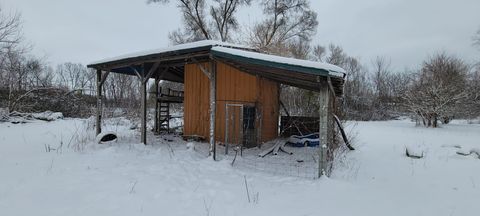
{"x":187,"y":47}
{"x":292,"y":64}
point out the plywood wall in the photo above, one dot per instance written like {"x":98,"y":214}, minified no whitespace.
{"x":269,"y":98}
{"x":233,"y":87}
{"x":196,"y":101}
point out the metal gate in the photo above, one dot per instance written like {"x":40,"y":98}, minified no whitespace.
{"x":233,"y":122}
{"x":240,"y":130}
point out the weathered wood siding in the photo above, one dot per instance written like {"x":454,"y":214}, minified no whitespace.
{"x":269,"y":98}
{"x":233,"y":87}
{"x":196,"y":101}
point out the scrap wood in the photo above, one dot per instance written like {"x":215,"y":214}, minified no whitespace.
{"x":463,"y":152}
{"x":342,"y":131}
{"x":278,"y":146}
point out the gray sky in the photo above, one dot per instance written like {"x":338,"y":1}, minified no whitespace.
{"x":406,"y":31}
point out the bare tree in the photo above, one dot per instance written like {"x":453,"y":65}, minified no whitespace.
{"x":336,"y":55}
{"x":286,"y":20}
{"x":206,"y":19}
{"x":38,"y":74}
{"x":438,"y":89}
{"x":10,"y":38}
{"x":319,"y":53}
{"x":470,"y":109}
{"x":74,"y":76}
{"x":359,"y":95}
{"x":299,"y":49}
{"x":10,"y":31}
{"x":381,"y":71}
{"x":476,"y":38}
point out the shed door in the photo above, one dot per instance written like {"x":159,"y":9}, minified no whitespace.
{"x":240,"y":127}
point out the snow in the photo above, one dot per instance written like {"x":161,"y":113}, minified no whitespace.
{"x":179,"y":47}
{"x":79,"y":177}
{"x":18,"y":117}
{"x":333,"y":69}
{"x":48,"y":115}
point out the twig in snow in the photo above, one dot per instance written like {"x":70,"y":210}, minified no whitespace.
{"x":132,"y":190}
{"x":246,"y":187}
{"x":171,"y":149}
{"x":234,"y":158}
{"x":255,"y":197}
{"x":207,"y":207}
{"x":51,"y":166}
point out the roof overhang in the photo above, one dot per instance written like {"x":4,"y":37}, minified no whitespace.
{"x":295,"y":72}
{"x":300,"y":73}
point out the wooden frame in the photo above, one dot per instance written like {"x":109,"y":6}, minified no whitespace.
{"x":150,"y":65}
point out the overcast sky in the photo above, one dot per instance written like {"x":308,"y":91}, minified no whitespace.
{"x":406,"y":31}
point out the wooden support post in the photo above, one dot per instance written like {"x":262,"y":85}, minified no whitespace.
{"x":143,"y":98}
{"x":155,"y":127}
{"x":213,"y":105}
{"x":99,"y":102}
{"x":324,"y":131}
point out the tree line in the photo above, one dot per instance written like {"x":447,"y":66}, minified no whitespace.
{"x":444,"y":87}
{"x":29,"y":84}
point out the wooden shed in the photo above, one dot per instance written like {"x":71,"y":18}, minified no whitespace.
{"x":236,"y":91}
{"x":237,"y":86}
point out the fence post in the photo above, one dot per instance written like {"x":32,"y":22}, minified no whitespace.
{"x":213,"y":105}
{"x":99,"y":102}
{"x":323,"y":99}
{"x":143,"y":99}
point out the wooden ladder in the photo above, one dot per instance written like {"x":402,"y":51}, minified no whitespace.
{"x":164,"y":117}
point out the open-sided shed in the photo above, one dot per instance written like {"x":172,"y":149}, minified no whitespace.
{"x":235,"y":85}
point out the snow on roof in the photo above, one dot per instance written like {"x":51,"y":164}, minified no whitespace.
{"x":332,"y":69}
{"x":186,"y":46}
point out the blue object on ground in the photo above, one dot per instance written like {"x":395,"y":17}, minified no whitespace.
{"x":309,"y":140}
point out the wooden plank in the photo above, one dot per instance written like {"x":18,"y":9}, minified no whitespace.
{"x":196,"y":101}
{"x":269,"y":104}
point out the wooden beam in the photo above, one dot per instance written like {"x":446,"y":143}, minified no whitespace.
{"x":146,"y":60}
{"x":139,"y":76}
{"x":176,"y":74}
{"x":276,"y":77}
{"x":213,"y":105}
{"x":143,"y":92}
{"x":330,"y":86}
{"x":324,"y":132}
{"x":203,"y":69}
{"x":104,"y":77}
{"x":151,"y":71}
{"x":155,"y":127}
{"x":99,"y":103}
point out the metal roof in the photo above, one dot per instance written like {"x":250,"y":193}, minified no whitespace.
{"x":290,"y":71}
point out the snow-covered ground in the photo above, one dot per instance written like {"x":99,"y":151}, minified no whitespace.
{"x":54,"y":168}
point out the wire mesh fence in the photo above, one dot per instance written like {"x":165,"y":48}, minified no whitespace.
{"x":294,"y":161}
